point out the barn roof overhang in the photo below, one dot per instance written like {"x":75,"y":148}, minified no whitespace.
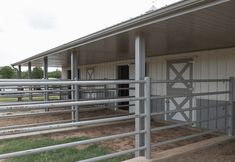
{"x":189,"y":25}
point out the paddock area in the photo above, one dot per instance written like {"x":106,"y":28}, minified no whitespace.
{"x":108,"y":129}
{"x":170,"y":121}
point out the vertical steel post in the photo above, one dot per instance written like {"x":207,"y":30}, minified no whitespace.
{"x":231,"y":99}
{"x":19,"y":72}
{"x":147,"y":92}
{"x":45,"y":76}
{"x":75,"y":88}
{"x":45,"y":67}
{"x":29,"y":70}
{"x":19,"y":77}
{"x":30,"y":77}
{"x":139,"y":92}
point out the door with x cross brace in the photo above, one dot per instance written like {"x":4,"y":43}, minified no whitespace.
{"x":90,"y":75}
{"x":180,"y":71}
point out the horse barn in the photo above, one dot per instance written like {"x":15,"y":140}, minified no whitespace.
{"x":165,"y":79}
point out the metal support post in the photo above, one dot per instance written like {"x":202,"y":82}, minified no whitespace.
{"x":19,"y":77}
{"x":45,"y":76}
{"x":106,"y":92}
{"x":60,"y":92}
{"x":147,"y":95}
{"x":75,"y":93}
{"x":19,"y":72}
{"x":139,"y":92}
{"x":231,"y":99}
{"x":30,"y":77}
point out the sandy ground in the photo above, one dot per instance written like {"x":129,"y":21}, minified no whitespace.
{"x":224,"y":152}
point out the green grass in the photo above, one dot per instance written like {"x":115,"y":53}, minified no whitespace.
{"x":27,"y":99}
{"x":8,"y":99}
{"x":61,"y":155}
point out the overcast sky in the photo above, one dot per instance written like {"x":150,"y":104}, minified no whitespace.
{"x":28,"y":27}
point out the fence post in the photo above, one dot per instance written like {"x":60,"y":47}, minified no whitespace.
{"x":45,"y":76}
{"x":147,"y":94}
{"x":231,"y":99}
{"x":61,"y":91}
{"x":140,"y":53}
{"x":30,"y":77}
{"x":75,"y":88}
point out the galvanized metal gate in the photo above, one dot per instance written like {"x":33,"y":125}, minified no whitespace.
{"x":147,"y":130}
{"x":180,"y":72}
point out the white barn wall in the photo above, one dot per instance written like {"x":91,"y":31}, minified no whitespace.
{"x":211,"y":64}
{"x":64,"y":73}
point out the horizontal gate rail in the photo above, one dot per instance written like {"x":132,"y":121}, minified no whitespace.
{"x":192,"y":80}
{"x":36,"y":114}
{"x":33,"y":91}
{"x":67,"y":125}
{"x":86,"y":109}
{"x":63,"y":104}
{"x":71,"y":82}
{"x":31,"y":102}
{"x":82,"y":109}
{"x":33,"y":125}
{"x":191,"y":95}
{"x":189,"y":109}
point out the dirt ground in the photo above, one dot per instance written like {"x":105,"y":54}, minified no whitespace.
{"x":99,"y":131}
{"x":224,"y":152}
{"x":48,"y":118}
{"x":128,"y":143}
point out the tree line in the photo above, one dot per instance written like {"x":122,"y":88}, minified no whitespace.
{"x":7,"y":72}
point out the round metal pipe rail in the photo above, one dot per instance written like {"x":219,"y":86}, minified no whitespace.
{"x":191,"y":95}
{"x":31,"y":102}
{"x":32,"y":80}
{"x":66,"y":145}
{"x":36,"y":114}
{"x":64,"y":104}
{"x":81,"y":109}
{"x":61,"y":122}
{"x":33,"y":87}
{"x":66,"y":125}
{"x":34,"y":91}
{"x":33,"y":94}
{"x":106,"y":116}
{"x":86,"y":109}
{"x":20,"y":95}
{"x":189,"y":109}
{"x":193,"y":80}
{"x":107,"y":89}
{"x":36,"y":124}
{"x":71,"y":83}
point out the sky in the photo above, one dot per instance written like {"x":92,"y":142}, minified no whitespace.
{"x":29,"y":27}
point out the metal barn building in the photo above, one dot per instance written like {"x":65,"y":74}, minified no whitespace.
{"x":186,"y":51}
